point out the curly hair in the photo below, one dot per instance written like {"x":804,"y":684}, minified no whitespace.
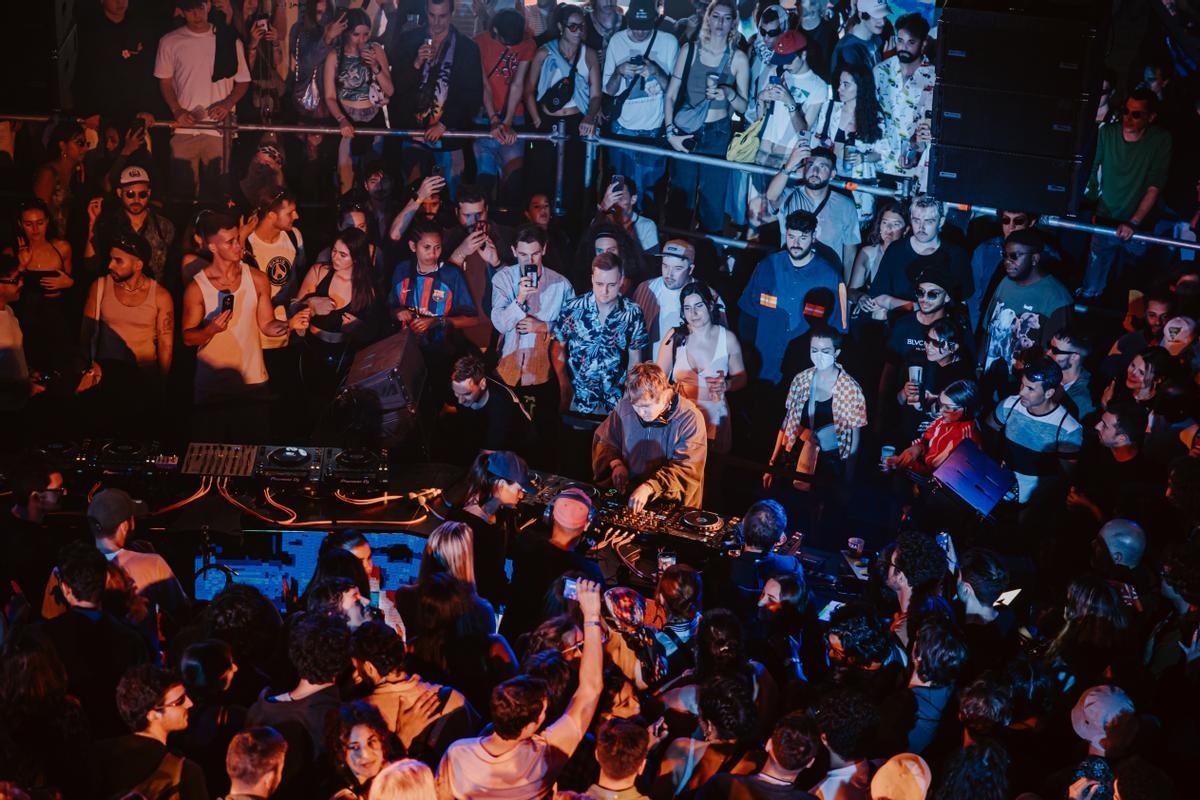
{"x":873,"y":236}
{"x":140,"y":691}
{"x":550,"y":635}
{"x":325,"y":596}
{"x":795,"y":742}
{"x":862,"y":638}
{"x":516,"y":703}
{"x":848,"y":721}
{"x":727,"y":703}
{"x":866,"y":106}
{"x":254,"y":753}
{"x":243,"y":616}
{"x":376,"y":643}
{"x":319,"y":648}
{"x":920,"y":559}
{"x":349,"y":716}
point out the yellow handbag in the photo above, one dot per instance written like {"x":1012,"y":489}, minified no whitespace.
{"x":743,"y":148}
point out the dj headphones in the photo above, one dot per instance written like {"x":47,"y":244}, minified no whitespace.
{"x":575,"y":493}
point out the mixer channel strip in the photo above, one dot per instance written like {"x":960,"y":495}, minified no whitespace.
{"x":220,"y":460}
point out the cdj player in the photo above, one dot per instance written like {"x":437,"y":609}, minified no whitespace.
{"x":356,"y":470}
{"x":289,"y":467}
{"x":660,"y":518}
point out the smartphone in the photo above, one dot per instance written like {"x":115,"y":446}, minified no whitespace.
{"x":943,"y":540}
{"x":530,"y":271}
{"x":481,"y":226}
{"x":438,"y":171}
{"x":638,"y":60}
{"x":1006,"y":598}
{"x":429,"y":41}
{"x":618,"y":180}
{"x":138,"y":126}
{"x":570,"y":589}
{"x":827,"y":612}
{"x":226,"y":301}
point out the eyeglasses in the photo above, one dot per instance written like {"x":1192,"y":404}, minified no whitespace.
{"x":1014,"y":255}
{"x":574,"y":27}
{"x":131,"y":194}
{"x":1132,"y":114}
{"x":931,"y":294}
{"x":948,"y":406}
{"x":1059,"y":352}
{"x":176,"y":703}
{"x":1005,"y":219}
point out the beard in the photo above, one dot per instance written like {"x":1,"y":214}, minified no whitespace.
{"x":906,"y":57}
{"x":816,"y":183}
{"x":119,"y":278}
{"x":797,"y":253}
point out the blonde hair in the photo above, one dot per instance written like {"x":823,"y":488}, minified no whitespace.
{"x":406,"y":779}
{"x":450,"y":548}
{"x":645,"y":378}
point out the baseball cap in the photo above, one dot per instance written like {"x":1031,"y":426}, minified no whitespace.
{"x":1105,"y":716}
{"x":132,"y":175}
{"x":272,"y":152}
{"x":789,"y":45}
{"x":641,"y":15}
{"x":571,"y":509}
{"x":680,"y":248}
{"x":109,"y":508}
{"x":1126,"y":539}
{"x":511,"y":467}
{"x":133,"y":243}
{"x":876,"y":8}
{"x":904,"y":776}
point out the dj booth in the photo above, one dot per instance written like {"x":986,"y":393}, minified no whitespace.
{"x":257,"y":513}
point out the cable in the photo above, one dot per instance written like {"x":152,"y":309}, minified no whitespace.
{"x":222,"y":487}
{"x":367,"y":501}
{"x":271,"y":500}
{"x":205,"y":487}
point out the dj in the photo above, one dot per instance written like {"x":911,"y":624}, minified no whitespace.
{"x":654,"y":440}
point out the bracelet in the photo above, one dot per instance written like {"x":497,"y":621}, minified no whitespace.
{"x":588,"y":622}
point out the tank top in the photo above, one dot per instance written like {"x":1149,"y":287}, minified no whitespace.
{"x":232,"y":361}
{"x":329,"y":326}
{"x":353,"y":78}
{"x":556,"y":67}
{"x":127,"y":333}
{"x":691,"y":384}
{"x":697,"y":85}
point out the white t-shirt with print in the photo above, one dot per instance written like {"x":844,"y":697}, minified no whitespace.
{"x":278,"y":260}
{"x":643,"y":109}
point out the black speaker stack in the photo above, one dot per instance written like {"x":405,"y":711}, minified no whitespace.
{"x":40,"y":54}
{"x":1015,"y":102}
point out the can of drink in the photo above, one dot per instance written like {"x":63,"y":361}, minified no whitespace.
{"x":885,"y":452}
{"x":856,"y":546}
{"x":666,"y":559}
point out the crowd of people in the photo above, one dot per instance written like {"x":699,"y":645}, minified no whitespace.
{"x":814,"y":380}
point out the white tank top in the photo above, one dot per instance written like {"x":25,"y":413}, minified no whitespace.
{"x":232,"y":361}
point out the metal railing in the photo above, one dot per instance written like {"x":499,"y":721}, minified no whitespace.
{"x":228,"y":128}
{"x":903,"y":191}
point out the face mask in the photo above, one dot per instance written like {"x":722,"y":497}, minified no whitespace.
{"x":822,"y":360}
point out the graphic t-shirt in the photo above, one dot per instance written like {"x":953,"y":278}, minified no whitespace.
{"x":500,"y":64}
{"x":1021,"y":317}
{"x":441,"y":293}
{"x":278,"y":260}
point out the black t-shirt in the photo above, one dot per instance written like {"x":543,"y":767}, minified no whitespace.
{"x":491,"y":543}
{"x":1119,"y":488}
{"x":989,"y":645}
{"x":537,"y":564}
{"x":123,"y":763}
{"x":901,"y":265}
{"x":906,"y":340}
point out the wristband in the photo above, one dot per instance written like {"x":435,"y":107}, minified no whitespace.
{"x":588,"y":622}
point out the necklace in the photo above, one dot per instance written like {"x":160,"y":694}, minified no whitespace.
{"x":137,"y":288}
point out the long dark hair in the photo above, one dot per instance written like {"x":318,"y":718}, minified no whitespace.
{"x":866,"y":105}
{"x":354,"y":18}
{"x":362,"y":282}
{"x":481,"y":484}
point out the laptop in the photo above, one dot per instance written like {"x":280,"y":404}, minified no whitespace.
{"x":972,"y":476}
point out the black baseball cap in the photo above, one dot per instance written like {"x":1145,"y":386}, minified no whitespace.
{"x":641,"y":15}
{"x":134,"y":244}
{"x":510,"y":467}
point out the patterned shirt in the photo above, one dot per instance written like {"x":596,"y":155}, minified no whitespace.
{"x":903,"y":104}
{"x":849,"y":408}
{"x":596,"y":349}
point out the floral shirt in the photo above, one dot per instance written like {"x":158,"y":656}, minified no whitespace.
{"x":596,"y":349}
{"x":903,"y":105}
{"x":849,"y":408}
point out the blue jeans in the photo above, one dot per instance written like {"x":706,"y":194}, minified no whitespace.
{"x":703,"y":187}
{"x":493,"y":158}
{"x":645,"y":170}
{"x":1104,"y":253}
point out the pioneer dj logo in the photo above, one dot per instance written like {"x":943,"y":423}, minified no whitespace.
{"x":279,"y":269}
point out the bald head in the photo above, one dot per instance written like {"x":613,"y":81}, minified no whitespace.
{"x":1125,"y":540}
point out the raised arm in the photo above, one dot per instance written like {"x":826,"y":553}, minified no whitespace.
{"x":591,"y":663}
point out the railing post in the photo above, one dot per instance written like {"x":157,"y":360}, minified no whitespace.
{"x":589,"y":164}
{"x":560,"y":145}
{"x":227,"y":143}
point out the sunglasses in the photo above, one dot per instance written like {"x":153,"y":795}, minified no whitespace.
{"x":931,"y":294}
{"x":775,"y":32}
{"x":574,"y":27}
{"x":142,"y":195}
{"x":1056,"y":351}
{"x":1125,"y":112}
{"x":948,"y":406}
{"x":1007,"y":220}
{"x":1014,"y":255}
{"x":936,"y":344}
{"x":178,"y":701}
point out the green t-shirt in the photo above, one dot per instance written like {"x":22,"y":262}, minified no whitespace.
{"x":1123,"y":171}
